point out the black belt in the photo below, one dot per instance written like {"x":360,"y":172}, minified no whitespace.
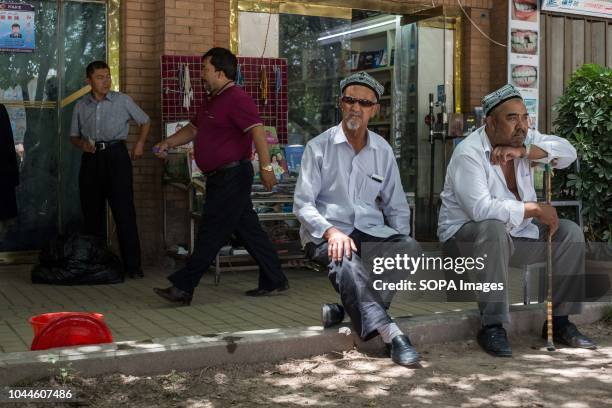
{"x":227,"y":166}
{"x":105,"y":145}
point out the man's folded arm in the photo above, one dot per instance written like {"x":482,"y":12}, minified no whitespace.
{"x":306,"y":191}
{"x":558,"y":149}
{"x":475,"y":199}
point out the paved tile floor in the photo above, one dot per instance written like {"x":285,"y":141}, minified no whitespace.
{"x":134,"y":312}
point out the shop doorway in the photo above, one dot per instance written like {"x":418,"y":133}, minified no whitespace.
{"x":413,"y":50}
{"x":39,"y":89}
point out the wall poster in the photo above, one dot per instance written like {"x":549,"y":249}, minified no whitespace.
{"x":524,"y":53}
{"x":17,"y":27}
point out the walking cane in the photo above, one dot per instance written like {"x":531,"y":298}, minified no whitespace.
{"x":550,"y":346}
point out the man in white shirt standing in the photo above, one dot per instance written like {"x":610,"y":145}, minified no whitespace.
{"x":349,"y":184}
{"x":489,"y":209}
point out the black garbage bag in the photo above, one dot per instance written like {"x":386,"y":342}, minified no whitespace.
{"x":77,"y":259}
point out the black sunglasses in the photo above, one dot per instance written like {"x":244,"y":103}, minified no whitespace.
{"x":364,"y":103}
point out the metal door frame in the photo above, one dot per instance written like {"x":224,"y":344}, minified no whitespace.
{"x":113,"y":41}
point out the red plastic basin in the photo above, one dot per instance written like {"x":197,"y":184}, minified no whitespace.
{"x":63,"y":329}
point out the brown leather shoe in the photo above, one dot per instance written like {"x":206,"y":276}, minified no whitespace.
{"x":174,"y":295}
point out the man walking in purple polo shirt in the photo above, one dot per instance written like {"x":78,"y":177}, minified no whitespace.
{"x":224,"y":129}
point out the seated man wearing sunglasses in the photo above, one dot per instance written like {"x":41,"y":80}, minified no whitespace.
{"x":349,"y":184}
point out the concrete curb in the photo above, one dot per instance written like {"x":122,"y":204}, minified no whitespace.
{"x":453,"y":326}
{"x":192,"y":352}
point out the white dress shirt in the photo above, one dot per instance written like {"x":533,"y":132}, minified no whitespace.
{"x":338,"y":188}
{"x":476,"y":190}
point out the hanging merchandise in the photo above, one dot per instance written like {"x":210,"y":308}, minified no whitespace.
{"x":277,"y":88}
{"x":263,"y":85}
{"x":250,"y":79}
{"x":188,"y":91}
{"x":277,"y":80}
{"x":239,"y":77}
{"x":181,"y":81}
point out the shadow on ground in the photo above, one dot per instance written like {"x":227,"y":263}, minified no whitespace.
{"x":453,"y":375}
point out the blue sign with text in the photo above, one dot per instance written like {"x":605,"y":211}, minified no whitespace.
{"x":17,"y":28}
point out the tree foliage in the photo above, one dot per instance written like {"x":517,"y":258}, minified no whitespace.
{"x":585,"y":119}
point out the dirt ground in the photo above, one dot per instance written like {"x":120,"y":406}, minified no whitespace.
{"x":453,"y":375}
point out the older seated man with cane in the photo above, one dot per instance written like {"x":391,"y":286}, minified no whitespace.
{"x":349,"y":184}
{"x":489,"y":209}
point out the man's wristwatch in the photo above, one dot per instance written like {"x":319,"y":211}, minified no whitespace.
{"x":267,"y":167}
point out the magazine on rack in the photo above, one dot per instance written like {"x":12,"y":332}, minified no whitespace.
{"x":277,"y":156}
{"x":172,"y":128}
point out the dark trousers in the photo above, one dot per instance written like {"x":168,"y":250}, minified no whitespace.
{"x":107,"y":176}
{"x":229,"y":210}
{"x":366,"y":307}
{"x":8,"y":202}
{"x":489,"y":239}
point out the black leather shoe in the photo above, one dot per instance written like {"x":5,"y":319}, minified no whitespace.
{"x":174,"y":295}
{"x":136,"y":274}
{"x":494,"y":341}
{"x":331,"y":314}
{"x":402,"y":351}
{"x":569,"y":335}
{"x":264,"y":292}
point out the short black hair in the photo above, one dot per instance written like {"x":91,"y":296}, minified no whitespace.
{"x":95,"y":65}
{"x":16,"y":25}
{"x":223,"y":60}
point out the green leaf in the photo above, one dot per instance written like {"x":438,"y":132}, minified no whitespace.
{"x":585,"y":119}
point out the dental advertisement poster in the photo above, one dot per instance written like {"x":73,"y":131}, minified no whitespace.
{"x":524,"y":52}
{"x":595,"y":8}
{"x":17,"y":27}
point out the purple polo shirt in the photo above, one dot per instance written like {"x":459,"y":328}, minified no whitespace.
{"x":223,"y":122}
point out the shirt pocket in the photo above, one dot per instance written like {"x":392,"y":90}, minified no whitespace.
{"x":368,"y":191}
{"x":87,"y":123}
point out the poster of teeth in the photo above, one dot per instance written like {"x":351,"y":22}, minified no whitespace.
{"x":595,"y":8}
{"x":524,"y":53}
